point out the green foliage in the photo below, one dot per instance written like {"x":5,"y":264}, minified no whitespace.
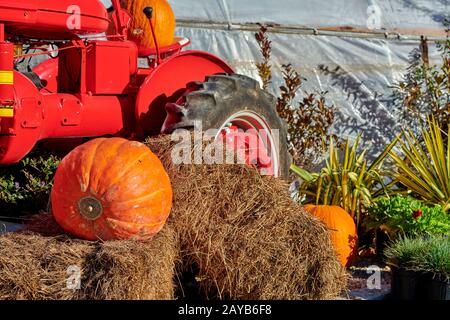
{"x":436,"y":258}
{"x":423,"y":254}
{"x":405,"y":216}
{"x":425,"y":89}
{"x":27,"y":185}
{"x":423,"y":168}
{"x":403,"y":252}
{"x":308,"y":121}
{"x":351,"y":183}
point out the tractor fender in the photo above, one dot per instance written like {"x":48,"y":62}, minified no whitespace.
{"x":19,"y":134}
{"x":47,"y":71}
{"x":167,"y":82}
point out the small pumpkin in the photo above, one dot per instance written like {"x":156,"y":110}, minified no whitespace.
{"x":163,"y":21}
{"x":343,"y":230}
{"x":111,"y":188}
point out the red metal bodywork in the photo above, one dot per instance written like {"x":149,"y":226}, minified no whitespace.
{"x":53,"y":19}
{"x":93,"y":88}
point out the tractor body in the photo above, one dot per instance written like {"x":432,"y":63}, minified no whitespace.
{"x":90,"y":86}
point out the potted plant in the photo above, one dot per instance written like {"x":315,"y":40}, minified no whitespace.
{"x":435,"y":263}
{"x":420,"y":267}
{"x":401,"y":256}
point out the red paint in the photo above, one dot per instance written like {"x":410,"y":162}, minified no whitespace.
{"x":6,"y":69}
{"x":243,"y":142}
{"x":48,"y":18}
{"x":94,"y":88}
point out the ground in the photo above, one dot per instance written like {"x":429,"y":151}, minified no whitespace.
{"x":365,"y":284}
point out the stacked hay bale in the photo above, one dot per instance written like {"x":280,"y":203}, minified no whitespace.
{"x":239,"y":233}
{"x":34,"y":266}
{"x":245,"y":236}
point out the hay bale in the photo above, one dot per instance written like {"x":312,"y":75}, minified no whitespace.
{"x":34,"y":266}
{"x":244,"y":235}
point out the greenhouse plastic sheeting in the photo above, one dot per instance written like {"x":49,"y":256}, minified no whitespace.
{"x":387,"y":14}
{"x":354,"y":49}
{"x":356,"y":73}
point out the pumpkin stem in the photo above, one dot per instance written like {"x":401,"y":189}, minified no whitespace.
{"x":90,"y":208}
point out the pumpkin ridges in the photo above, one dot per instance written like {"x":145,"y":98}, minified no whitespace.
{"x":142,"y":198}
{"x":121,"y":176}
{"x":87,"y":159}
{"x":132,"y":214}
{"x":135,"y":187}
{"x":140,"y":232}
{"x":101,"y":189}
{"x":163,"y":20}
{"x":146,"y":186}
{"x":104,"y":157}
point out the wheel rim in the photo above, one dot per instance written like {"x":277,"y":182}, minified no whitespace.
{"x":248,"y":132}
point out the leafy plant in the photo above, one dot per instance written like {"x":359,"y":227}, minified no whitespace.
{"x":351,"y":183}
{"x":403,"y":252}
{"x":310,"y":120}
{"x":27,"y":185}
{"x":423,"y":254}
{"x":405,"y":216}
{"x":436,"y":258}
{"x":425,"y":89}
{"x":265,"y":47}
{"x":424,"y":170}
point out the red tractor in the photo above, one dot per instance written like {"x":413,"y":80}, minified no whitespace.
{"x":92,"y":87}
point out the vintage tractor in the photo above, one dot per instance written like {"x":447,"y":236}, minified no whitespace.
{"x":92,"y":85}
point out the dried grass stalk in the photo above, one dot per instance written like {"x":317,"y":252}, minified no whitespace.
{"x":35,"y":267}
{"x":245,"y":236}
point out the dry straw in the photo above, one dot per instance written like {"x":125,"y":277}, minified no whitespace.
{"x":239,"y":233}
{"x":35,"y":266}
{"x":244,"y":235}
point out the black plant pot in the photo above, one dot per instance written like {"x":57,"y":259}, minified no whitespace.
{"x":381,"y":241}
{"x":435,"y":288}
{"x":405,"y":284}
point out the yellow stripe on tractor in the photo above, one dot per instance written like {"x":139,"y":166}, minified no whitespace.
{"x":7,"y":77}
{"x":7,"y":112}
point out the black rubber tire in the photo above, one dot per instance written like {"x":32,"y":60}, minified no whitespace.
{"x":221,"y":96}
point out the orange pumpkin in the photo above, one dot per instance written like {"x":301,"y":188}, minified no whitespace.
{"x":111,"y":188}
{"x":343,"y":230}
{"x":163,"y":21}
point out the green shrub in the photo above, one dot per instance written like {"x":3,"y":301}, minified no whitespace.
{"x":423,"y":168}
{"x":406,"y":216}
{"x":403,"y":252}
{"x":421,"y":254}
{"x":436,"y":258}
{"x":424,"y":90}
{"x":348,"y":179}
{"x":310,"y":120}
{"x":25,"y":187}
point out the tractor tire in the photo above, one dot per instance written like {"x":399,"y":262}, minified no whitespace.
{"x":220,"y":97}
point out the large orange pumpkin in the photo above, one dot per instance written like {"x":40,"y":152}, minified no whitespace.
{"x":343,"y":230}
{"x":111,"y":188}
{"x":163,"y":21}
